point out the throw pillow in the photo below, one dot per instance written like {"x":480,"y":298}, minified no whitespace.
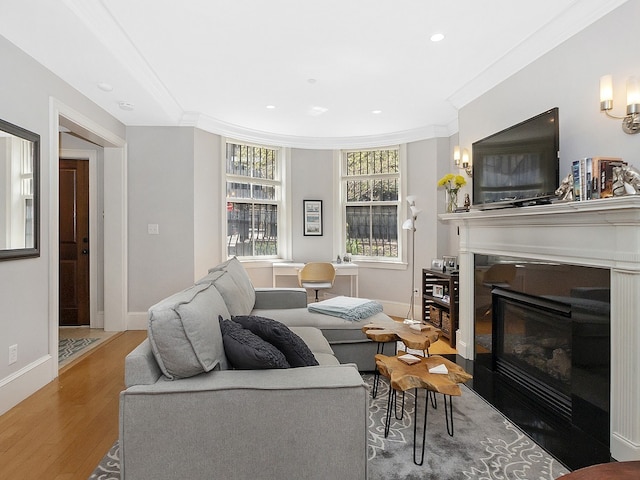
{"x":280,"y":336}
{"x":247,"y":351}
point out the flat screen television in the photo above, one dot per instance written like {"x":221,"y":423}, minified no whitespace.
{"x":518,"y":163}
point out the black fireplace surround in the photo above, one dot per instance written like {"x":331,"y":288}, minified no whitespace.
{"x":542,"y":343}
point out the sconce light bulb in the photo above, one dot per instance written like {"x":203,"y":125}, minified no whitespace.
{"x":633,"y":95}
{"x":456,"y":155}
{"x":606,"y":92}
{"x":465,"y":158}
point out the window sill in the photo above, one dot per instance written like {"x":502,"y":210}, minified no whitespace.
{"x":383,"y":265}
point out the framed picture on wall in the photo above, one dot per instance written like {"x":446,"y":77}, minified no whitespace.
{"x":312,"y":217}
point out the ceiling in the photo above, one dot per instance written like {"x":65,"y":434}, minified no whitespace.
{"x":311,"y":74}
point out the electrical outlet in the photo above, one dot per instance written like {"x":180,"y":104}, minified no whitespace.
{"x":13,"y":354}
{"x":153,"y":229}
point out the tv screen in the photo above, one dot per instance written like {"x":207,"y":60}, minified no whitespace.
{"x":520,"y":162}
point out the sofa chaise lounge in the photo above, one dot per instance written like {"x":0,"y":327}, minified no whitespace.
{"x":186,"y":413}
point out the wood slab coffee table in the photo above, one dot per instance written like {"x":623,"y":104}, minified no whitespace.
{"x":415,"y":339}
{"x":403,"y":377}
{"x":412,"y":338}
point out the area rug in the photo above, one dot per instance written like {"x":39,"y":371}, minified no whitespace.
{"x":71,"y":346}
{"x":485,"y":445}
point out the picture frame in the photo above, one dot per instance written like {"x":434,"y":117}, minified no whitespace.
{"x":436,"y":264}
{"x":438,"y":291}
{"x":450,"y":262}
{"x":312,"y":210}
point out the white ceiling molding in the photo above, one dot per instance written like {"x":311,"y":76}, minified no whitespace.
{"x":187,"y":63}
{"x":100,"y":21}
{"x":575,"y":18}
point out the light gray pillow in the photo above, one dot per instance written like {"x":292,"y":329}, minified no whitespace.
{"x":184,"y":332}
{"x":240,"y":278}
{"x":238,"y":302}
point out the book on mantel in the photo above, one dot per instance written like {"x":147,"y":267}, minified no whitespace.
{"x":593,"y":177}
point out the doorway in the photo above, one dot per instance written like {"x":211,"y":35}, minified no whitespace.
{"x":74,"y":274}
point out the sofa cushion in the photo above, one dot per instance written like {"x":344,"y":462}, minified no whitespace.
{"x":247,"y":351}
{"x":185,"y":334}
{"x":280,"y":336}
{"x":236,"y":288}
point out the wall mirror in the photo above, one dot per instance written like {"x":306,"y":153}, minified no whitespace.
{"x":19,"y":192}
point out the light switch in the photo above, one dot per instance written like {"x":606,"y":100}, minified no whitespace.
{"x":153,"y":229}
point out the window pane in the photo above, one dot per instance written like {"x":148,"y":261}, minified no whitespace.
{"x":252,"y":229}
{"x":358,"y":230}
{"x":372,"y":162}
{"x":385,"y":190}
{"x":384,"y":235}
{"x":256,"y":162}
{"x":358,"y":191}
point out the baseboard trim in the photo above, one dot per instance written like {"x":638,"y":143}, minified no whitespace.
{"x":23,"y":383}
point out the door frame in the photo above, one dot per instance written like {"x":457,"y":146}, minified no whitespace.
{"x":114,"y":219}
{"x":92,"y":157}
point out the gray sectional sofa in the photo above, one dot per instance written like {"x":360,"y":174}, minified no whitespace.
{"x":187,"y":413}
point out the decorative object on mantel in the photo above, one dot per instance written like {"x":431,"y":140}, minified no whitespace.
{"x":565,"y":190}
{"x":452,"y":184}
{"x":626,"y":181}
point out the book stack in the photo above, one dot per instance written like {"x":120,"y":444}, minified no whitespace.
{"x":593,"y":177}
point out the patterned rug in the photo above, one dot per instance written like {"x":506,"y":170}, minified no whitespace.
{"x":71,"y":346}
{"x":485,"y":445}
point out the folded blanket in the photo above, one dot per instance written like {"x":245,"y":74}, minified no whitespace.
{"x":348,"y":308}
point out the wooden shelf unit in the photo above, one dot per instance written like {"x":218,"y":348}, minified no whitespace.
{"x":436,"y":310}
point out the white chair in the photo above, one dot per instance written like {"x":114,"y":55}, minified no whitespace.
{"x":317,"y":276}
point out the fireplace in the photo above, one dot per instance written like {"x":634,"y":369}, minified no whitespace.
{"x":603,"y":234}
{"x":532,"y":339}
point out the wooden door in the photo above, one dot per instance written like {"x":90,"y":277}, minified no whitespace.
{"x":74,"y":242}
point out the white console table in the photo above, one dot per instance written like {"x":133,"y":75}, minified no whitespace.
{"x":342,"y":269}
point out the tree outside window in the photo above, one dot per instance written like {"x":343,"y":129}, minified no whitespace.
{"x":253,"y":200}
{"x":371,"y":180}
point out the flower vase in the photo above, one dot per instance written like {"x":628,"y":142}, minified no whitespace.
{"x":452,"y":200}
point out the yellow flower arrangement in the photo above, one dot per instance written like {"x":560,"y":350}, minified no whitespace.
{"x":451,"y":182}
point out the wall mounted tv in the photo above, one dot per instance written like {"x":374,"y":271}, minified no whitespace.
{"x":519,"y":163}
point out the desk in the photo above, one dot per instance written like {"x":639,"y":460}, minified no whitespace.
{"x":342,"y":269}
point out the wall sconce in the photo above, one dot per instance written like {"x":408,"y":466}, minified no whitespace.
{"x":631,"y":121}
{"x":462,"y":160}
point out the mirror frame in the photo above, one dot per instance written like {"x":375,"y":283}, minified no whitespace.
{"x":30,"y":252}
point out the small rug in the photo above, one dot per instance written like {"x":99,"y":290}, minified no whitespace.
{"x":71,"y":346}
{"x":485,"y":445}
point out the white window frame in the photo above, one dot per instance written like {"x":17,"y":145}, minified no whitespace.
{"x":399,"y":262}
{"x":283,"y":188}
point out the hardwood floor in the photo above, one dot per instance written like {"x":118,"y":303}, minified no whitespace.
{"x":62,"y":431}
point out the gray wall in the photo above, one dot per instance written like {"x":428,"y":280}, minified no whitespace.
{"x":24,"y":284}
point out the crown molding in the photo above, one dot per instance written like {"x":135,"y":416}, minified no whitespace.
{"x":220,"y":127}
{"x":99,"y":20}
{"x":574,"y":19}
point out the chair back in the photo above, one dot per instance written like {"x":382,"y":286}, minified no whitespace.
{"x":320,"y":272}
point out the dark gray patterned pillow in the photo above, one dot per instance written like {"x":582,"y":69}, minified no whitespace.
{"x":280,"y":336}
{"x":247,"y":351}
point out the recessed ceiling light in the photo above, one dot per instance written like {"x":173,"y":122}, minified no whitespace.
{"x":270,"y":107}
{"x":437,"y":37}
{"x":311,"y":81}
{"x":376,"y":112}
{"x":126,"y":106}
{"x":104,"y":86}
{"x":316,"y":111}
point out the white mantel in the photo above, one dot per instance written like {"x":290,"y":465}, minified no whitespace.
{"x":598,"y":233}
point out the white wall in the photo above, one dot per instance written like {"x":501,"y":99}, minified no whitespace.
{"x":24,"y":284}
